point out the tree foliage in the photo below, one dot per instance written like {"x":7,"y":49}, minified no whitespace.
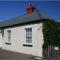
{"x":51,"y":32}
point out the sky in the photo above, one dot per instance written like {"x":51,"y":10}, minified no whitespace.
{"x":11,"y":9}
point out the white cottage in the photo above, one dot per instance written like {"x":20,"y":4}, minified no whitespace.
{"x":23,"y":34}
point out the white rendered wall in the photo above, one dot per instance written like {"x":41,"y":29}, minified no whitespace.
{"x":18,"y":38}
{"x":0,"y":40}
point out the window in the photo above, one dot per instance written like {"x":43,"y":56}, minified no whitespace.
{"x":28,"y":35}
{"x":2,"y":31}
{"x":9,"y":35}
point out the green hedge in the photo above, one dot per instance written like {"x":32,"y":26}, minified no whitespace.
{"x":51,"y":32}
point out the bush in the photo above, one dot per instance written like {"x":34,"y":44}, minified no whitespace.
{"x":51,"y":32}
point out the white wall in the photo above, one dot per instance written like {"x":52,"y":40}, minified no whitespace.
{"x":18,"y":38}
{"x":0,"y":40}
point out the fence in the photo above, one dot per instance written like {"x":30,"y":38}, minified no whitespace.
{"x":51,"y":52}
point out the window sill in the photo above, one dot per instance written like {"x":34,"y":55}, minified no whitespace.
{"x":27,"y":45}
{"x":8,"y":43}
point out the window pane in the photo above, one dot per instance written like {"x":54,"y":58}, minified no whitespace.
{"x":9,"y":35}
{"x":28,"y":40}
{"x":29,"y":35}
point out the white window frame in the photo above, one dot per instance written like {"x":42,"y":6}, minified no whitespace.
{"x":9,"y":36}
{"x":28,"y":35}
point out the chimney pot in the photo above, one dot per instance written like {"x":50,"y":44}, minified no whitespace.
{"x":30,"y":9}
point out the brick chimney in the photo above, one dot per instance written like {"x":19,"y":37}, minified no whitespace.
{"x":30,"y":9}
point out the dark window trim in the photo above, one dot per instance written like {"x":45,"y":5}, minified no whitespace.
{"x":8,"y":43}
{"x":27,"y":45}
{"x":28,"y":37}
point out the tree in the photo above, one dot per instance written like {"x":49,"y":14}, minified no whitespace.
{"x":51,"y":32}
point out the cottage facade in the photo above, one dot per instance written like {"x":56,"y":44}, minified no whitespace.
{"x":23,"y":34}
